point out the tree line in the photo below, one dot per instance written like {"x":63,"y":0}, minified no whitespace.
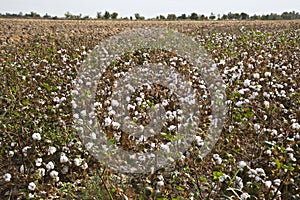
{"x":169,"y":17}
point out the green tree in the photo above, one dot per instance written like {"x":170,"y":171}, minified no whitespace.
{"x":244,"y":16}
{"x":255,"y":17}
{"x":77,"y":17}
{"x":171,"y":17}
{"x":230,"y":16}
{"x":274,"y":16}
{"x":183,"y":16}
{"x":161,"y":17}
{"x":46,"y":16}
{"x":99,"y":15}
{"x":236,"y":16}
{"x":194,"y":16}
{"x":86,"y":17}
{"x":32,"y":15}
{"x":224,"y":17}
{"x":290,"y":15}
{"x":138,"y":16}
{"x":106,"y":15}
{"x":203,"y":17}
{"x":212,"y":16}
{"x":265,"y":17}
{"x":114,"y":15}
{"x":69,"y":15}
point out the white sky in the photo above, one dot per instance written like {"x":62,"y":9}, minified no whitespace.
{"x":148,"y":8}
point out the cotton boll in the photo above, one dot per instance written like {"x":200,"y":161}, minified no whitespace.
{"x":78,"y":161}
{"x":53,"y":174}
{"x":7,"y":177}
{"x":256,"y":127}
{"x":38,"y":162}
{"x":245,"y":196}
{"x":267,"y":104}
{"x":63,"y":158}
{"x":277,"y":182}
{"x":22,"y":169}
{"x":239,"y":103}
{"x":165,"y":102}
{"x":268,"y":74}
{"x":116,"y":125}
{"x":84,"y":166}
{"x":268,"y":184}
{"x":107,"y":121}
{"x":247,"y":83}
{"x":256,"y":75}
{"x":50,"y":165}
{"x":269,"y":152}
{"x":160,"y":183}
{"x":242,"y":165}
{"x":31,"y":186}
{"x":295,"y":126}
{"x":114,"y":103}
{"x":51,"y":150}
{"x":239,"y":182}
{"x":199,"y":141}
{"x":36,"y":136}
{"x":217,"y":158}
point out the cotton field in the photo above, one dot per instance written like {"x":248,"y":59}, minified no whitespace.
{"x":256,"y":156}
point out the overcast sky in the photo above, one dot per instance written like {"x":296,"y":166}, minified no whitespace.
{"x":148,"y":8}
